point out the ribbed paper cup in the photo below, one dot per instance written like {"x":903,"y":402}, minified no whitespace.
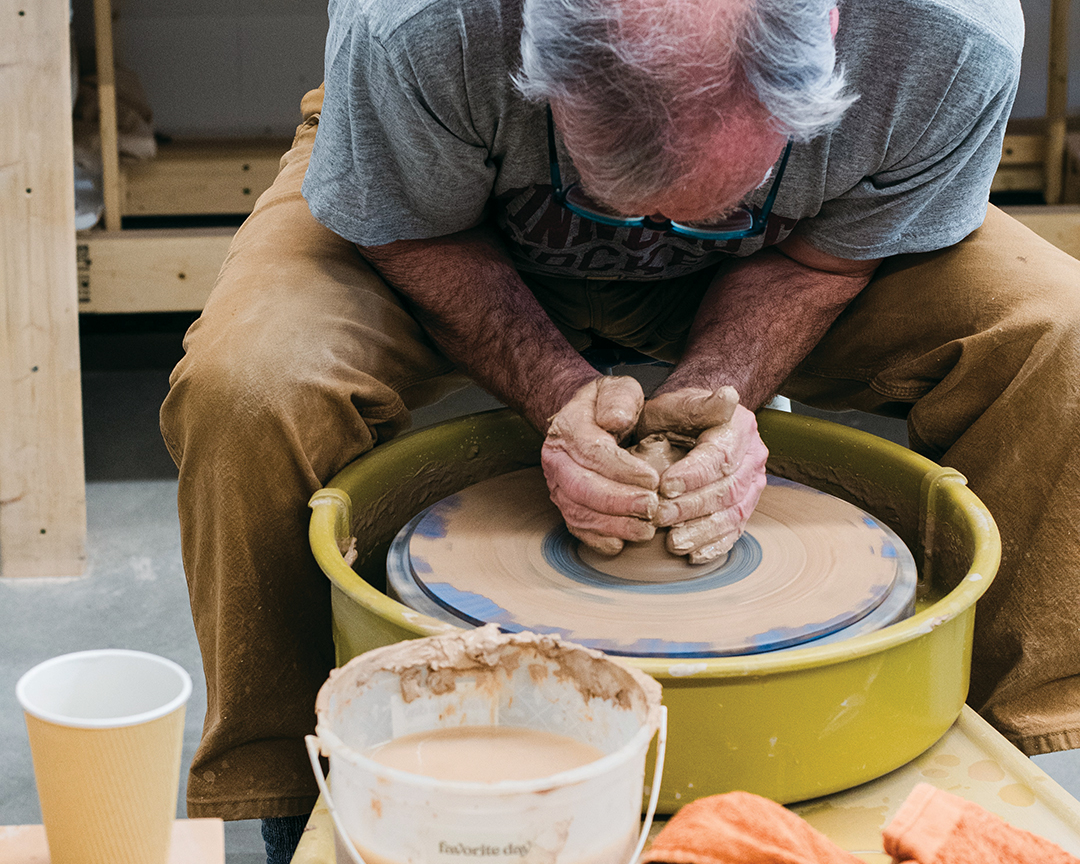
{"x":106,"y":732}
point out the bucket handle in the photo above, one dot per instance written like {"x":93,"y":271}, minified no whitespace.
{"x":312,"y":743}
{"x":654,"y":791}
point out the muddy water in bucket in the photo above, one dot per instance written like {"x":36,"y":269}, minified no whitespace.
{"x":529,"y":687}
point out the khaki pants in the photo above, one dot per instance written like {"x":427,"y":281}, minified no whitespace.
{"x":303,"y":360}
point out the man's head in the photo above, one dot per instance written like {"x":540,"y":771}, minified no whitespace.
{"x":679,"y":107}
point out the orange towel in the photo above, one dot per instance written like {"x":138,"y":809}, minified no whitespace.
{"x":934,"y":827}
{"x":741,"y":828}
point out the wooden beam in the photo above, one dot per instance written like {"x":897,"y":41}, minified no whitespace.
{"x":1060,"y":224}
{"x":110,"y":138}
{"x":1057,"y":97}
{"x":149,"y":271}
{"x":42,"y":488}
{"x":1071,"y":193}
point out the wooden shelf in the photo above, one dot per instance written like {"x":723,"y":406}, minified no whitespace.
{"x":200,"y":177}
{"x":1026,"y":159}
{"x":171,"y":270}
{"x":138,"y":270}
{"x":1022,"y":167}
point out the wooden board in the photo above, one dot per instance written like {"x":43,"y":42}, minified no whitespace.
{"x":195,"y":841}
{"x":1023,"y":164}
{"x":197,"y":177}
{"x":1022,"y":149}
{"x":151,"y":270}
{"x":214,"y":176}
{"x":1018,"y":178}
{"x":42,"y":488}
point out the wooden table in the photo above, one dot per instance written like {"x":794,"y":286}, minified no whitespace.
{"x":195,"y":841}
{"x":971,"y":760}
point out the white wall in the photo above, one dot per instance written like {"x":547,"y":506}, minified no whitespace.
{"x":239,"y":67}
{"x":1031,"y":98}
{"x":221,"y":67}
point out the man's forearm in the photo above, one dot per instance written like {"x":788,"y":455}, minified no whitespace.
{"x":468,"y":297}
{"x":758,"y":321}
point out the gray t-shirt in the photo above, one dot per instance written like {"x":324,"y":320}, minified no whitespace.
{"x":422,"y":134}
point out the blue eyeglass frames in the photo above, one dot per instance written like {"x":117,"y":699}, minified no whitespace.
{"x":739,"y":224}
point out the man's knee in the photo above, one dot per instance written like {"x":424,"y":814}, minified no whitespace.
{"x":1038,"y":322}
{"x":219,"y":392}
{"x":242,"y":394}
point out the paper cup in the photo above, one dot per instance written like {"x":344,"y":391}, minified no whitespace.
{"x":106,"y":731}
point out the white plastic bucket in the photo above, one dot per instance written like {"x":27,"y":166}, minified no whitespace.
{"x":587,"y":815}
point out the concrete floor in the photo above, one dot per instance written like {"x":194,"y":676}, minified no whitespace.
{"x":133,"y":594}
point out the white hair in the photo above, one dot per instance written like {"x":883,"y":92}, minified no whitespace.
{"x":790,"y":60}
{"x":637,"y":74}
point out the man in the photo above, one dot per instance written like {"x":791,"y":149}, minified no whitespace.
{"x":714,"y":186}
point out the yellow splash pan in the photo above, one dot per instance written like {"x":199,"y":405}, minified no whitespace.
{"x":790,"y":725}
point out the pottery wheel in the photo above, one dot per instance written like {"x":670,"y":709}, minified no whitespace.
{"x":807,"y":566}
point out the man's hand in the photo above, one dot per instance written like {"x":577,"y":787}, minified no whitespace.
{"x":605,"y":494}
{"x":759,"y":319}
{"x":708,"y":495}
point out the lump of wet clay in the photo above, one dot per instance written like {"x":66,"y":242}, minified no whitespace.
{"x":651,"y":560}
{"x":662,"y":451}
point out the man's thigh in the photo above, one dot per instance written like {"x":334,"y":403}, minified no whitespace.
{"x":296,"y":308}
{"x":972,"y":309}
{"x":979,"y":345}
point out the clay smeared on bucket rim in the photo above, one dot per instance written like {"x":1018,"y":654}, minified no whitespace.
{"x":434,"y":663}
{"x":487,"y":649}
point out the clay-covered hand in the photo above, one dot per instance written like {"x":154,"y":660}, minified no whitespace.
{"x":605,"y":494}
{"x":708,"y":495}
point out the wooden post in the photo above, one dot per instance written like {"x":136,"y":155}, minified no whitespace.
{"x":1057,"y":95}
{"x":110,"y":141}
{"x":42,"y":483}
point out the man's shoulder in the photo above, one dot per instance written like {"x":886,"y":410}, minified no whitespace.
{"x":1000,"y":19}
{"x":389,"y":19}
{"x":996,"y":24}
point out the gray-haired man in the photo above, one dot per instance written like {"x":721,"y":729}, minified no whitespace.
{"x":496,"y":187}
